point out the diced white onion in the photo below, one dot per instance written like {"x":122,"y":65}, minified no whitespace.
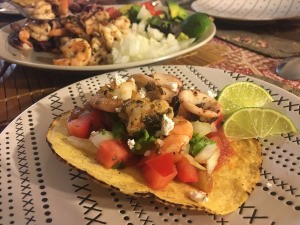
{"x":203,"y":128}
{"x":143,"y":43}
{"x":82,"y":143}
{"x":97,"y":137}
{"x":144,"y":14}
{"x":206,"y":153}
{"x":193,"y":162}
{"x":212,"y":162}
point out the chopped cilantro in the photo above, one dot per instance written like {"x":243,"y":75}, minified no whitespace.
{"x":119,"y":165}
{"x":198,"y":143}
{"x":119,"y":130}
{"x":103,"y":131}
{"x":143,"y":143}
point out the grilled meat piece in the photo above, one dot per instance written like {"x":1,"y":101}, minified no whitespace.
{"x":144,"y":114}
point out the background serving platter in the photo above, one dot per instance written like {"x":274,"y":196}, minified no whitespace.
{"x":249,"y":9}
{"x":37,"y":188}
{"x":44,"y":60}
{"x":6,"y":8}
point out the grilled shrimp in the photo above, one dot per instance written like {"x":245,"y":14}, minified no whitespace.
{"x":159,"y":86}
{"x":178,"y":137}
{"x":63,"y":41}
{"x":73,"y":26}
{"x":105,"y":100}
{"x":91,"y":26}
{"x":39,"y":31}
{"x":92,"y":22}
{"x":56,"y":29}
{"x":110,"y":33}
{"x":63,"y":7}
{"x":99,"y":52}
{"x":194,"y":103}
{"x":35,"y":30}
{"x":76,"y":52}
{"x":19,"y":37}
{"x":123,"y":24}
{"x":110,"y":98}
{"x":24,"y":36}
{"x":43,"y":10}
{"x":101,"y":16}
{"x":57,"y":32}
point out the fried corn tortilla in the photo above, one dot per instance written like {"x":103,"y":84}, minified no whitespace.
{"x":26,"y":2}
{"x":233,"y":181}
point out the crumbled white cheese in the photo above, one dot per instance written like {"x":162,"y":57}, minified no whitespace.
{"x":119,"y":80}
{"x":147,"y":153}
{"x":211,"y":94}
{"x":131,"y":143}
{"x":118,"y":110}
{"x":173,"y":86}
{"x":269,"y":185}
{"x":93,"y":133}
{"x":142,"y":92}
{"x":115,"y":97}
{"x":167,"y":125}
{"x":198,"y":196}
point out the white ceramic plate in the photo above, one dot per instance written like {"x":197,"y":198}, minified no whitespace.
{"x":37,"y":188}
{"x":249,"y":9}
{"x":44,"y":60}
{"x":6,"y":8}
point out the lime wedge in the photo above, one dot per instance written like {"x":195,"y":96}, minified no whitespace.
{"x":242,"y":94}
{"x":257,"y":123}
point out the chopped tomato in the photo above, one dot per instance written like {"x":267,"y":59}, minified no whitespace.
{"x":158,"y":12}
{"x":87,"y":122}
{"x":93,"y":118}
{"x":144,"y":159}
{"x":113,"y":12}
{"x":223,"y":144}
{"x":159,"y":171}
{"x":112,"y":152}
{"x":150,"y":7}
{"x":106,"y":119}
{"x":186,"y":172}
{"x":99,"y":120}
{"x":177,"y":157}
{"x":79,"y":127}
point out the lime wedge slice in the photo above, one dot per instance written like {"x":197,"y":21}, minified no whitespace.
{"x":242,"y":94}
{"x":257,"y":123}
